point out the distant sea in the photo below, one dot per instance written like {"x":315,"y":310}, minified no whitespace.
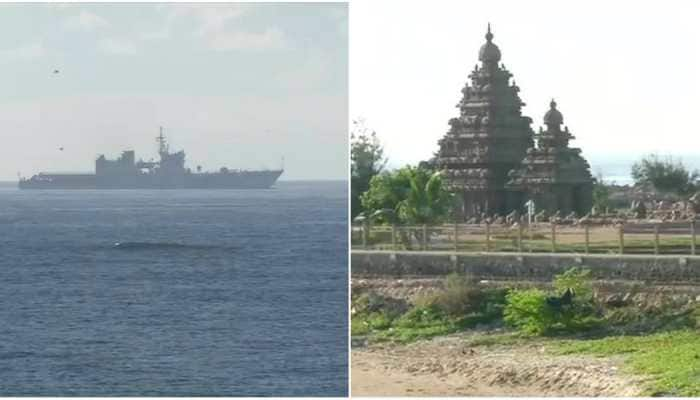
{"x":210,"y":292}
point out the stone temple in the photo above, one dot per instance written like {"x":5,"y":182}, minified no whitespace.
{"x":489,"y":157}
{"x":555,"y":176}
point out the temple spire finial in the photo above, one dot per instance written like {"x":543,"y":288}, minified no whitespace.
{"x":553,"y":118}
{"x":489,"y":35}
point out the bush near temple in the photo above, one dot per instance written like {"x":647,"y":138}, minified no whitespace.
{"x":410,"y":195}
{"x":570,"y":308}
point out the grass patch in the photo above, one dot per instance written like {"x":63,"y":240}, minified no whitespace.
{"x":427,"y":322}
{"x":371,"y":312}
{"x":671,"y":359}
{"x":363,"y":325}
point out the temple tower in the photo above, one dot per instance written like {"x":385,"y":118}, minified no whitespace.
{"x":554,"y":175}
{"x":488,"y":139}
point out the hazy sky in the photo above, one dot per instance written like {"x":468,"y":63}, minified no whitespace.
{"x":626,"y":75}
{"x":237,"y":85}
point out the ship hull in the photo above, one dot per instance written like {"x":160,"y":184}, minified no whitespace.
{"x":229,"y":180}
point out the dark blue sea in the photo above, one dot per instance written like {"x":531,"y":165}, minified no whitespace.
{"x":210,"y":293}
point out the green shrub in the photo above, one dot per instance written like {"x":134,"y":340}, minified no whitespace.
{"x":359,"y":326}
{"x":379,"y":321}
{"x":695,"y":316}
{"x":527,"y":310}
{"x":421,"y":317}
{"x":579,"y":280}
{"x":530,"y":311}
{"x":373,"y":312}
{"x":421,"y":322}
{"x":635,"y":320}
{"x":494,"y":302}
{"x":462,"y":297}
{"x":365,"y":324}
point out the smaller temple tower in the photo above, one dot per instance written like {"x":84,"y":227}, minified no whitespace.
{"x":553,"y":175}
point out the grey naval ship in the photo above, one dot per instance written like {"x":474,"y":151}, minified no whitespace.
{"x":168,"y":173}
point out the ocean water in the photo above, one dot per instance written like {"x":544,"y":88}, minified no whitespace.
{"x":210,"y":293}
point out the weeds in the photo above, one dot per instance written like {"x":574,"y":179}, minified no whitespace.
{"x":462,"y":305}
{"x":670,"y":359}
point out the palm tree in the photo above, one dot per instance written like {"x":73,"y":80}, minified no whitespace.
{"x":427,"y":201}
{"x":410,"y":196}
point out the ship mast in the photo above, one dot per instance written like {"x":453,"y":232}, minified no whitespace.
{"x":162,"y":144}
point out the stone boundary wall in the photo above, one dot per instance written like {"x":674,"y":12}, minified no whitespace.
{"x":659,"y":269}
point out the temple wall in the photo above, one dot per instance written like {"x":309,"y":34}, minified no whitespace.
{"x":583,"y":198}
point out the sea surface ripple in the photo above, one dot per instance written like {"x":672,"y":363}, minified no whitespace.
{"x":174,"y":293}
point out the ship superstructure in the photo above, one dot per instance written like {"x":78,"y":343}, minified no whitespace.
{"x":167,"y":173}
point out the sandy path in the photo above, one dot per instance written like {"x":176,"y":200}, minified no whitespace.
{"x":449,"y":366}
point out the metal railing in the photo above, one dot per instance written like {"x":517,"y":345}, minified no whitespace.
{"x":630,"y":238}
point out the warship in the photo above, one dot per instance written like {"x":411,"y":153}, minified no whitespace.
{"x":168,"y":173}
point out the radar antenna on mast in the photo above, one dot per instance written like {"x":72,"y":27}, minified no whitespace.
{"x":162,"y":144}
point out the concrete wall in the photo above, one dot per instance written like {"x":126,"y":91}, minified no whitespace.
{"x":661,"y":269}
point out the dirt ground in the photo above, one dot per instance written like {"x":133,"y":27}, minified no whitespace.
{"x":450,"y":366}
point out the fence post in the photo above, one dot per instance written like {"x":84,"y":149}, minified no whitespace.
{"x":365,"y":233}
{"x":425,"y":237}
{"x":656,"y":238}
{"x":586,"y":230}
{"x":554,"y":237}
{"x":393,"y":236}
{"x":488,"y":237}
{"x":621,"y":233}
{"x":692,"y":237}
{"x":456,"y":236}
{"x":520,"y":237}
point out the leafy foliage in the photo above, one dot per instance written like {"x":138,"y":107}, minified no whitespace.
{"x":636,"y":320}
{"x":462,"y":297}
{"x":667,"y":175}
{"x":372,"y":312}
{"x":527,"y":310}
{"x":532,"y":313}
{"x":601,"y":194}
{"x":579,"y":280}
{"x":367,"y":160}
{"x":416,"y":195}
{"x":421,"y":322}
{"x":422,"y":316}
